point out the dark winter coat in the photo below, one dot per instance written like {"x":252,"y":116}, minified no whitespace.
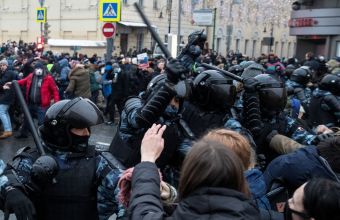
{"x":79,"y":84}
{"x":6,"y":95}
{"x":204,"y":203}
{"x":298,"y":167}
{"x":119,"y":85}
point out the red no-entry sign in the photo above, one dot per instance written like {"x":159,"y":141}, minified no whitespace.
{"x":109,"y":30}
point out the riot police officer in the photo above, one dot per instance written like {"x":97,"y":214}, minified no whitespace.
{"x":160,"y":103}
{"x":85,"y":184}
{"x":264,"y":100}
{"x":211,"y":105}
{"x":325,"y":102}
{"x":297,"y":88}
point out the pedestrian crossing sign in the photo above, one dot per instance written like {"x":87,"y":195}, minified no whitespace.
{"x":109,"y":10}
{"x":41,"y":15}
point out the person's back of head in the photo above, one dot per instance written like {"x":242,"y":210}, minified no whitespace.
{"x":236,"y":142}
{"x":322,"y":199}
{"x":211,"y":164}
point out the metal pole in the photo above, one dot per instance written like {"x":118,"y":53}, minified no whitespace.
{"x":179,"y":26}
{"x":170,"y":9}
{"x":109,"y":49}
{"x":214,"y":30}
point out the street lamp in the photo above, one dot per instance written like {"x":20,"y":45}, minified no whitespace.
{"x":168,"y":10}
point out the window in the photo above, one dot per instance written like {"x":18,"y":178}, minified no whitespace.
{"x":246,"y":42}
{"x":282,"y":48}
{"x":218,"y":45}
{"x":254,"y":49}
{"x":276,"y":48}
{"x":141,"y":2}
{"x":166,"y":38}
{"x":338,"y":49}
{"x":289,"y":50}
{"x":125,"y":2}
{"x":140,"y":42}
{"x":237,"y":45}
{"x":155,"y":4}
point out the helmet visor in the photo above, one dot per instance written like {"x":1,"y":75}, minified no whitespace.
{"x":273,"y":99}
{"x":82,"y":114}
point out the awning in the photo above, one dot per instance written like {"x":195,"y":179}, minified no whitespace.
{"x":80,"y":43}
{"x":134,"y":24}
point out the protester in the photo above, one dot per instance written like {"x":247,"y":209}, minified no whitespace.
{"x":317,"y":199}
{"x":212,"y":176}
{"x":6,"y":98}
{"x":40,"y":90}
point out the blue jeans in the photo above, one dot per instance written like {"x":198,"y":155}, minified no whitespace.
{"x":4,"y":117}
{"x":37,"y":112}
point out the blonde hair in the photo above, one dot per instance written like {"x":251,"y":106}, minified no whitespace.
{"x":236,"y":142}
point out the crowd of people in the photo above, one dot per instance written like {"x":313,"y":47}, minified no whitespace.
{"x":191,"y":142}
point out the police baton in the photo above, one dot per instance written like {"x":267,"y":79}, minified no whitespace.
{"x":225,"y":73}
{"x":28,"y":117}
{"x":45,"y":167}
{"x":153,"y":32}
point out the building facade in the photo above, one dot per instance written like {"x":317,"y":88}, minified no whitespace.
{"x":79,"y":20}
{"x":316,"y":24}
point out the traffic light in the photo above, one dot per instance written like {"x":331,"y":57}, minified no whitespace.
{"x":46,"y":31}
{"x":40,"y":43}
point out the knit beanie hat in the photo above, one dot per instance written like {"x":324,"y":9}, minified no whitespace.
{"x":4,"y":62}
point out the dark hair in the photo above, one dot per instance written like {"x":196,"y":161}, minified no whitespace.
{"x":211,"y":164}
{"x":330,"y":150}
{"x":322,"y":199}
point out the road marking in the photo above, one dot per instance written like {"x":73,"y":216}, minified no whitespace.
{"x":103,"y":143}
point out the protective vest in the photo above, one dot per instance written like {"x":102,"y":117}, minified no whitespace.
{"x":317,"y":115}
{"x":74,"y":195}
{"x":128,"y":151}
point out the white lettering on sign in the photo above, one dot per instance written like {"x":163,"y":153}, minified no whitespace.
{"x":108,"y":29}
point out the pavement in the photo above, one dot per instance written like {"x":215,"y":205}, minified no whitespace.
{"x":101,"y":136}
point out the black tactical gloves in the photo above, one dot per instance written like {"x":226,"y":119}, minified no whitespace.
{"x":16,"y":201}
{"x":175,"y":71}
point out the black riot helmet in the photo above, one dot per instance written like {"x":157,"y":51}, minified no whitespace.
{"x":213,"y":91}
{"x":236,"y":69}
{"x":272,"y":94}
{"x":331,"y":83}
{"x":154,"y":84}
{"x":289,"y":70}
{"x":301,"y":75}
{"x":64,"y":115}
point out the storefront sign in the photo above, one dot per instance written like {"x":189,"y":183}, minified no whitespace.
{"x":302,"y":22}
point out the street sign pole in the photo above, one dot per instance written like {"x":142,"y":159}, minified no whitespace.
{"x":109,"y":49}
{"x":109,"y":31}
{"x":109,"y":11}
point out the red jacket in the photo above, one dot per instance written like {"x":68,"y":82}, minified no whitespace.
{"x":49,"y":89}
